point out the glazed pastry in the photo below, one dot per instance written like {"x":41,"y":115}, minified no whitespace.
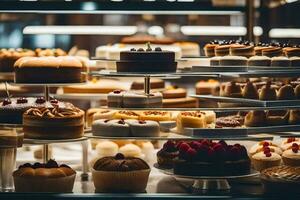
{"x":231,"y":121}
{"x":250,"y":91}
{"x":174,"y":92}
{"x":291,"y":156}
{"x":231,"y":89}
{"x":233,"y":61}
{"x":286,"y":92}
{"x":215,"y":61}
{"x":280,"y":61}
{"x":120,"y":174}
{"x":155,"y":115}
{"x":259,"y":61}
{"x":277,"y":180}
{"x":265,"y":159}
{"x":110,"y":128}
{"x":272,"y":51}
{"x":294,"y":117}
{"x":260,"y":146}
{"x":255,"y":118}
{"x":295,"y":61}
{"x":166,"y":155}
{"x":44,"y":177}
{"x":277,"y":117}
{"x":141,"y":128}
{"x":209,"y":49}
{"x":267,"y":92}
{"x":242,"y":50}
{"x":222,"y":50}
{"x":192,"y":119}
{"x":126,"y":114}
{"x":287,"y":143}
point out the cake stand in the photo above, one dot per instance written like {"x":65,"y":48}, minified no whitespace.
{"x":207,"y":184}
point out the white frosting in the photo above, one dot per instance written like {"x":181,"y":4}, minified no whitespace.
{"x":111,"y":128}
{"x":147,"y":128}
{"x":107,"y":148}
{"x":131,"y":150}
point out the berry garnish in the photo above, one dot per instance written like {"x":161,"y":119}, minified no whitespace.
{"x":6,"y":102}
{"x":25,"y":165}
{"x":21,"y":100}
{"x":119,"y":156}
{"x":132,"y":49}
{"x":107,"y":120}
{"x":51,"y":164}
{"x":268,"y":154}
{"x":140,"y":49}
{"x":117,"y":91}
{"x":157,"y":49}
{"x":196,"y":145}
{"x":289,"y":140}
{"x":142,"y":122}
{"x":265,"y":144}
{"x":295,"y":145}
{"x":223,"y":143}
{"x":54,"y":101}
{"x":295,"y":149}
{"x":184,"y":147}
{"x":121,"y":122}
{"x":169,"y":145}
{"x":40,"y":100}
{"x":191,"y":153}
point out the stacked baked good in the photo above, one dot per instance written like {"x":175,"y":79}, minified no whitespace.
{"x":174,"y":97}
{"x":205,"y":158}
{"x":130,"y":99}
{"x":61,"y":69}
{"x":44,"y":177}
{"x":53,"y":122}
{"x":120,"y":174}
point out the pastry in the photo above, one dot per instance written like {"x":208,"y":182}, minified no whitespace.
{"x":189,"y":49}
{"x":210,"y":116}
{"x":259,"y":61}
{"x":110,"y":128}
{"x":147,"y":60}
{"x":50,"y":52}
{"x":295,"y":61}
{"x":277,"y":117}
{"x":242,"y":50}
{"x":90,"y":114}
{"x":187,"y":102}
{"x":106,"y":148}
{"x":174,"y":92}
{"x":265,"y":159}
{"x":215,"y":61}
{"x":155,"y":115}
{"x":286,"y":92}
{"x":222,"y":50}
{"x":62,"y":69}
{"x":190,"y":119}
{"x":255,"y":118}
{"x":53,"y":122}
{"x":115,"y":98}
{"x":126,"y":114}
{"x":207,"y":158}
{"x":272,"y":51}
{"x":233,"y":61}
{"x":292,"y":51}
{"x":143,"y":128}
{"x":250,"y":91}
{"x":207,"y":87}
{"x":155,"y":83}
{"x":44,"y":177}
{"x":209,"y":49}
{"x":260,"y":146}
{"x":281,"y":180}
{"x":291,"y":156}
{"x":280,"y":61}
{"x":104,"y":114}
{"x":259,"y":48}
{"x":267,"y":93}
{"x":167,"y":154}
{"x":294,"y":117}
{"x":131,"y":150}
{"x":287,"y":143}
{"x":120,"y":174}
{"x":231,"y":89}
{"x":231,"y":121}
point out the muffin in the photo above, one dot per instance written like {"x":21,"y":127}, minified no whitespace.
{"x":120,"y":174}
{"x":291,"y":156}
{"x":265,"y":159}
{"x":44,"y":177}
{"x":259,"y":61}
{"x":166,"y":156}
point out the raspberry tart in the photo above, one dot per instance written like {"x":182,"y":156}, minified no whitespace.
{"x":166,"y":155}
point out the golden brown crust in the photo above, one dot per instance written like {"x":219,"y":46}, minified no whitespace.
{"x":50,"y":61}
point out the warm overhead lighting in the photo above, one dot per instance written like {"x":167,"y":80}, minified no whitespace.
{"x":219,"y":30}
{"x":284,"y":33}
{"x":81,"y":30}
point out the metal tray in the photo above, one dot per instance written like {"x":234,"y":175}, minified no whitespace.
{"x":38,"y":141}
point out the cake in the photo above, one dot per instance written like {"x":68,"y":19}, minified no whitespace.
{"x":272,"y":51}
{"x":231,"y":89}
{"x":167,"y":154}
{"x":120,"y":174}
{"x":292,"y":51}
{"x":53,"y":122}
{"x":294,"y":117}
{"x":267,"y":92}
{"x":207,"y":158}
{"x":174,"y":92}
{"x":233,"y":61}
{"x":12,"y":109}
{"x":147,"y":60}
{"x":209,"y":48}
{"x":277,"y":117}
{"x":62,"y":69}
{"x":281,"y":180}
{"x":44,"y":177}
{"x":265,"y":159}
{"x":295,"y":61}
{"x":90,"y":114}
{"x":207,"y":87}
{"x":250,"y":91}
{"x":259,"y":61}
{"x":242,"y":50}
{"x":222,"y":50}
{"x":259,"y":48}
{"x":154,"y":115}
{"x":190,"y":119}
{"x":131,"y":99}
{"x":143,"y":128}
{"x":9,"y":56}
{"x":280,"y":61}
{"x":255,"y":118}
{"x":111,"y":128}
{"x":232,"y":121}
{"x":291,"y":156}
{"x":286,"y":92}
{"x":155,"y":83}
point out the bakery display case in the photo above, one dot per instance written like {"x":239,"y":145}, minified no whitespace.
{"x":153,"y":110}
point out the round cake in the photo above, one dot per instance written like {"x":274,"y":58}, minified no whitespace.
{"x":44,"y":177}
{"x":53,"y":122}
{"x":62,"y":69}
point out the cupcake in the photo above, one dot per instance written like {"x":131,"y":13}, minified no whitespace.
{"x":265,"y":159}
{"x":259,"y":61}
{"x":44,"y":177}
{"x":259,"y":147}
{"x":166,"y":156}
{"x":291,"y":156}
{"x":233,"y":61}
{"x":120,"y":174}
{"x":280,"y":61}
